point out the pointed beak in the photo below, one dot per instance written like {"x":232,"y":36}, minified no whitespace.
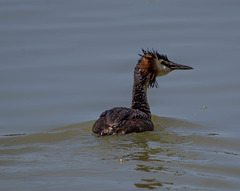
{"x":175,"y":66}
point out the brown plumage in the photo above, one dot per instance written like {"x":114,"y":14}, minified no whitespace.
{"x":138,"y":117}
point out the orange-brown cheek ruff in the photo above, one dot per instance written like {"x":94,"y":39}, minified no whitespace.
{"x":149,"y":69}
{"x":138,"y":117}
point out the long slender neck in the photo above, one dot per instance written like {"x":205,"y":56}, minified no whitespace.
{"x":139,"y":94}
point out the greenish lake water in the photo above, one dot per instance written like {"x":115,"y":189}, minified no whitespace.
{"x":65,"y":62}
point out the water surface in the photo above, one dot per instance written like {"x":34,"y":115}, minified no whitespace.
{"x":63,"y":63}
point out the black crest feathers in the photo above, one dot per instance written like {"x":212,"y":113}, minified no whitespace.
{"x":153,"y":54}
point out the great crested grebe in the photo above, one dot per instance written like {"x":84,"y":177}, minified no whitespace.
{"x":137,"y":118}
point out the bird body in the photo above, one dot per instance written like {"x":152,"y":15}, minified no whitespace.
{"x":137,"y":118}
{"x":122,"y":120}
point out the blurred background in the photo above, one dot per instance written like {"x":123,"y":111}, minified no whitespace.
{"x":66,"y":62}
